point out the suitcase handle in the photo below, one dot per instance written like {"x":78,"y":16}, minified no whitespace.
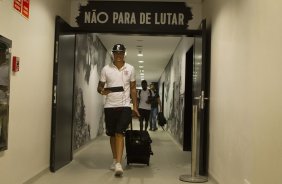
{"x":131,"y":127}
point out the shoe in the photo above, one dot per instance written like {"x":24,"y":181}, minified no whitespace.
{"x":118,"y":170}
{"x":155,"y":129}
{"x":113,"y":166}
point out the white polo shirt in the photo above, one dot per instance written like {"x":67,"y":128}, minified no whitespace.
{"x":144,"y":95}
{"x":114,"y":77}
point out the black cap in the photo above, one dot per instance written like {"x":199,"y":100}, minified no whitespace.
{"x":118,"y":48}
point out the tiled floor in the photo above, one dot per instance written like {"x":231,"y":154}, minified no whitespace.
{"x":91,"y":165}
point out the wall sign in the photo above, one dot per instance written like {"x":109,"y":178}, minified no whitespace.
{"x":18,"y":5}
{"x":25,"y":8}
{"x":128,"y":16}
{"x":22,"y":6}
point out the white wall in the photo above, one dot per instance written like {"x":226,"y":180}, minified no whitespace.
{"x":246,"y":100}
{"x":31,"y":87}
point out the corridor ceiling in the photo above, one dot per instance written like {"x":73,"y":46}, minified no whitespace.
{"x":156,"y":50}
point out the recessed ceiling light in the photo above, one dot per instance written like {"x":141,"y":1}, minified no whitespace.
{"x":141,"y":71}
{"x":141,"y":66}
{"x":140,"y":53}
{"x":141,"y":61}
{"x":141,"y":74}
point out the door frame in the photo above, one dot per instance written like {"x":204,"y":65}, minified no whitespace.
{"x":204,"y":127}
{"x":63,"y":28}
{"x":188,"y":106}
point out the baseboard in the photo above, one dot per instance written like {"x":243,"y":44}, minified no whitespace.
{"x":175,"y":141}
{"x":85,"y":146}
{"x":213,"y":178}
{"x":44,"y":171}
{"x":37,"y":176}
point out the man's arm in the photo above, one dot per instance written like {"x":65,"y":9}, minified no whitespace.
{"x":101,"y":89}
{"x":133,"y":93}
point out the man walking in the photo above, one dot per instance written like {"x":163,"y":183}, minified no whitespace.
{"x":119,"y":78}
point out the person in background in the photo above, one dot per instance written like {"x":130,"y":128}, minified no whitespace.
{"x":144,"y":96}
{"x":117,"y":106}
{"x":155,"y":104}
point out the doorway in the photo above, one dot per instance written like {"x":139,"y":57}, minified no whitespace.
{"x":56,"y":130}
{"x":187,"y":140}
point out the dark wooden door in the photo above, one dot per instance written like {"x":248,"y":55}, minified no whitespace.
{"x":200,"y":96}
{"x":62,"y":104}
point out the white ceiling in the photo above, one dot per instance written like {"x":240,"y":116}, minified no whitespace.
{"x":157,"y":51}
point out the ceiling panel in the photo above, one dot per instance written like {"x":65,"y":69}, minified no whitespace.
{"x":157,"y":51}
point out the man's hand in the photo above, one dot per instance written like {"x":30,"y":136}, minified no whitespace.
{"x":136,"y":112}
{"x":105,"y":91}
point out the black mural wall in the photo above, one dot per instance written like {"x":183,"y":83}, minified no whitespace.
{"x":174,"y":90}
{"x":91,"y":56}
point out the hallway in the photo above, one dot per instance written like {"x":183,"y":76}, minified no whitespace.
{"x":91,"y":165}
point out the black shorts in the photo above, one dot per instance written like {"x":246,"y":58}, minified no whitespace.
{"x":117,"y":120}
{"x":144,"y":114}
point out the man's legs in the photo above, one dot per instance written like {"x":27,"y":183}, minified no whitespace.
{"x":141,"y":118}
{"x":113,"y":147}
{"x":141,"y":122}
{"x":124,"y":120}
{"x":119,"y":145}
{"x":147,"y":116}
{"x":146,"y":125}
{"x":110,"y":128}
{"x":154,"y":113}
{"x":151,"y":120}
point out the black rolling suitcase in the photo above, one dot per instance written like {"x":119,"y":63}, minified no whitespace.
{"x":138,"y":146}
